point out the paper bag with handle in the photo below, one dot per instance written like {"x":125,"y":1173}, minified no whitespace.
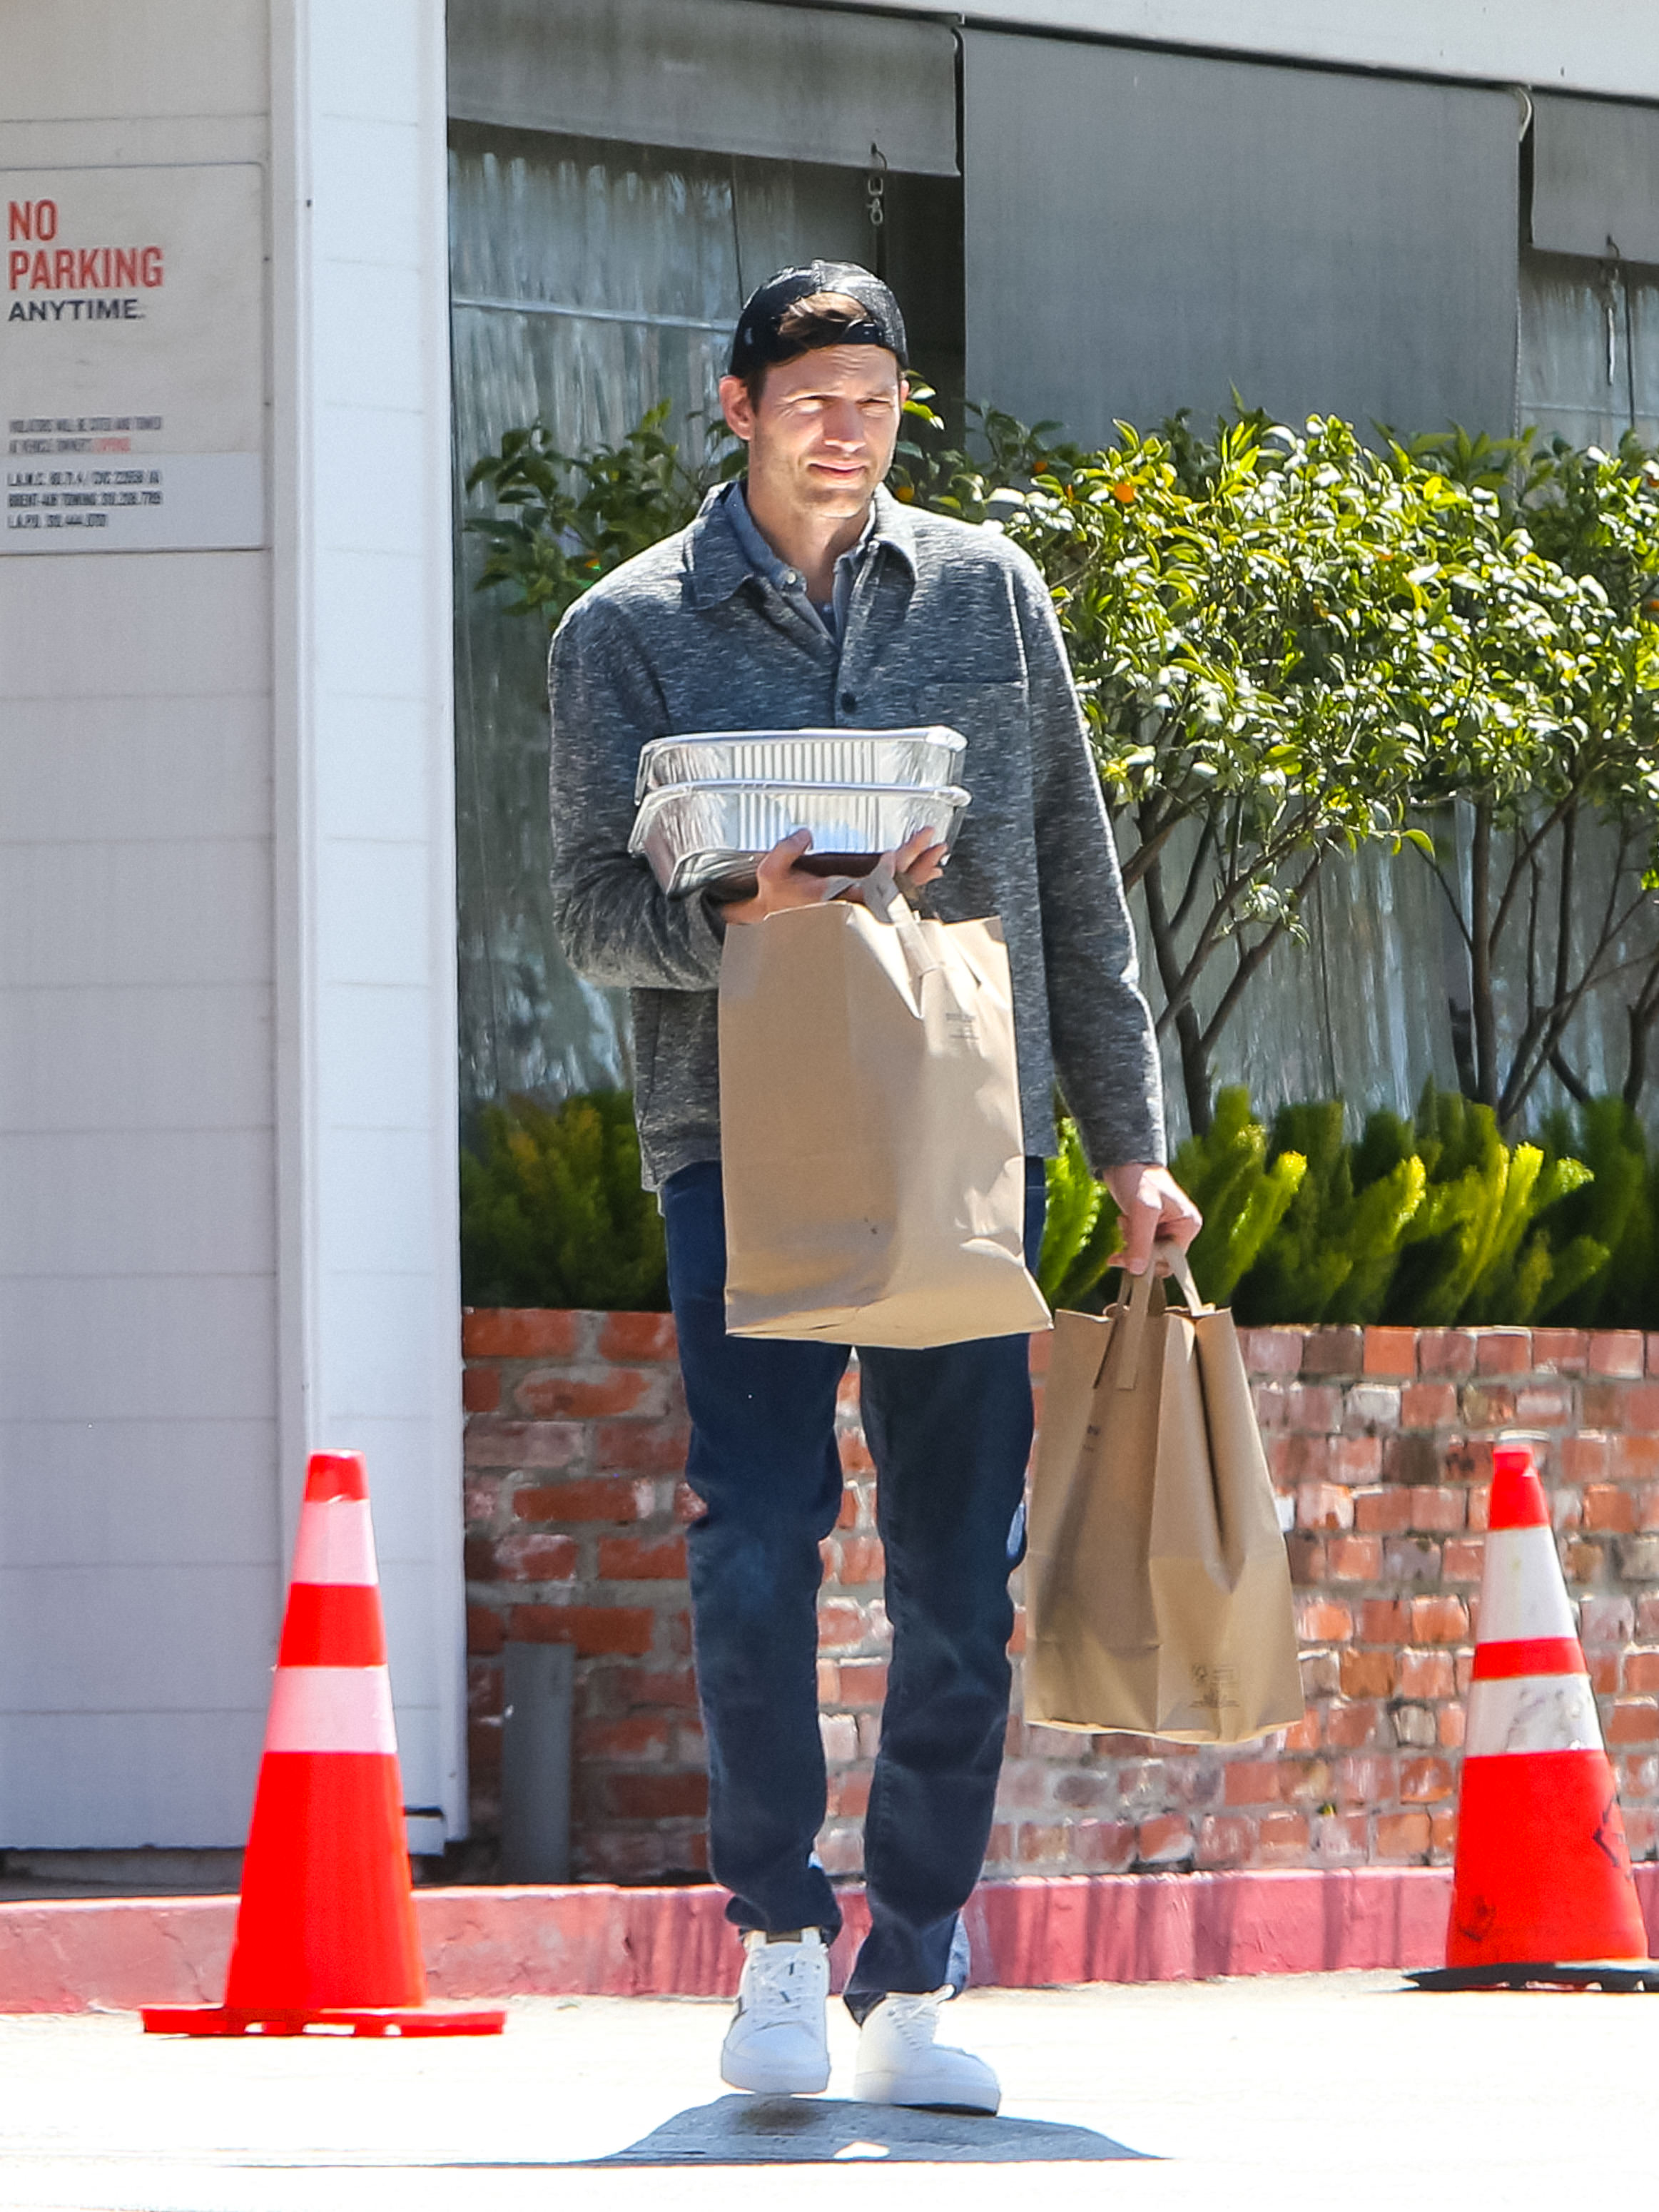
{"x":870,"y":1128}
{"x":1158,"y":1589}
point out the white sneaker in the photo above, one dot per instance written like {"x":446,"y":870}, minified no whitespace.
{"x":778,"y":2043}
{"x":900,"y":2064}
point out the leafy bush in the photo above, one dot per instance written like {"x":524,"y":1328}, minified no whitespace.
{"x":552,"y":1213}
{"x":1423,"y":1223}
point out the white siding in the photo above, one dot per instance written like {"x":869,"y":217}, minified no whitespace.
{"x":227,"y":1025}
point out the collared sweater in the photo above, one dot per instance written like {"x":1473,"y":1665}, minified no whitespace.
{"x":947,"y":623}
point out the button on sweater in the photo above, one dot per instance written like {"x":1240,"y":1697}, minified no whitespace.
{"x":945,"y":622}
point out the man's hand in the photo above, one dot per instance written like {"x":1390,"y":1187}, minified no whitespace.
{"x":1153,"y":1206}
{"x":779,"y":885}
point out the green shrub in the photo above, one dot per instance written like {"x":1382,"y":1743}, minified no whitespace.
{"x":1431,"y":1222}
{"x":552,"y":1212}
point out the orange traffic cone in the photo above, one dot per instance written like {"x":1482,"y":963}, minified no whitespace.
{"x":1542,"y":1883}
{"x":326,"y":1933}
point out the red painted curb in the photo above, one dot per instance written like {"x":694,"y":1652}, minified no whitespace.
{"x":593,"y":1940}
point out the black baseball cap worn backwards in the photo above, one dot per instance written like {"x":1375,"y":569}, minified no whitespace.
{"x":758,"y":342}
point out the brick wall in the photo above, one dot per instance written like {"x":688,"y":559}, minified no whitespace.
{"x":1381,"y":1439}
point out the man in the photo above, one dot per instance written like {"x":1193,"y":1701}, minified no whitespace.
{"x":808,"y":597}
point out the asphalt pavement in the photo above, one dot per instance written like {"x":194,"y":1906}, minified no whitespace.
{"x":1351,"y":2090}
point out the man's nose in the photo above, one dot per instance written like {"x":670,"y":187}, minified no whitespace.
{"x":843,"y":425}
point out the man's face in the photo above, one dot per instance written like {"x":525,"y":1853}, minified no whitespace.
{"x":822,"y":436}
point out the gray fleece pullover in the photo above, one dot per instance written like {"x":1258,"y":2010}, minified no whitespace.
{"x":946,"y":623}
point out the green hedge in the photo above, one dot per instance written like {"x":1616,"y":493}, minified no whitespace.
{"x":1435,"y":1220}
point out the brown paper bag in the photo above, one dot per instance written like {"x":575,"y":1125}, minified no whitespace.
{"x":870,"y":1129}
{"x":1158,"y":1591}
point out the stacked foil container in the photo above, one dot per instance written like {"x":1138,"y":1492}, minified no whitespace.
{"x":711,"y":807}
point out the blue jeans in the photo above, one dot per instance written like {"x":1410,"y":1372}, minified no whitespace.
{"x":949,"y":1431}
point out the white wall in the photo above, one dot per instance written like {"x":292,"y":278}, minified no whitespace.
{"x":227,"y":1030}
{"x":1609,"y":47}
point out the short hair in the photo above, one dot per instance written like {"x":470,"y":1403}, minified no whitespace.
{"x":808,"y":325}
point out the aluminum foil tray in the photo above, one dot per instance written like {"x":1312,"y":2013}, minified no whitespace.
{"x":922,"y":759}
{"x":703,"y":833}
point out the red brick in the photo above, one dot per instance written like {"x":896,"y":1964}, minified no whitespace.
{"x":1426,"y":1781}
{"x":642,"y":1559}
{"x":527,"y":1558}
{"x":1332,"y":1352}
{"x":1383,"y":1513}
{"x":674,"y":1688}
{"x":863,"y":1681}
{"x":1104,"y":1846}
{"x":1350,"y":1727}
{"x":1608,"y":1507}
{"x":1165,"y":1841}
{"x":1461,"y":1560}
{"x":594,"y":1498}
{"x":486,"y":1632}
{"x":644,"y":1736}
{"x":687,"y":1506}
{"x":1642,"y":1833}
{"x":595,"y":1630}
{"x":641,"y":1446}
{"x":1355,"y":1460}
{"x":1603,"y":1620}
{"x":1488,"y":1406}
{"x":1271,"y":1351}
{"x":1282,"y":1839}
{"x":1251,"y":1782}
{"x":1305,"y":1734}
{"x":1368,"y":1673}
{"x":1403,"y":1835}
{"x":1647,"y":1615}
{"x":1543,"y":1406}
{"x":1445,"y":1351}
{"x":481,"y":1389}
{"x":1384,"y":1620}
{"x":491,"y":1441}
{"x":862,"y":1561}
{"x":1428,"y":1405}
{"x":849,"y":1794}
{"x":1355,"y":1558}
{"x":1320,"y":1620}
{"x":1480,"y":1506}
{"x":1041,"y":1844}
{"x":855,"y":1453}
{"x":518,"y":1333}
{"x":1271,"y":1407}
{"x":1584,"y":1458}
{"x":654,"y":1796}
{"x":627,"y":1336}
{"x":1622,"y":1406}
{"x":1641,"y":1673}
{"x":1603,"y":1672}
{"x":842,"y":1623}
{"x":483,"y":1746}
{"x":1632,"y":1459}
{"x":486,"y":1692}
{"x":1306,"y":1556}
{"x":1617,"y":1351}
{"x":1426,"y":1674}
{"x":849,"y":1515}
{"x":1435,"y":1511}
{"x":1584,"y":1562}
{"x":1634,"y":1720}
{"x":1450,"y":1723}
{"x":1559,"y":1350}
{"x":1315,"y":1408}
{"x":1225,"y":1839}
{"x":1439,"y":1620}
{"x":1442,"y":1832}
{"x":1503,"y":1351}
{"x":1390,"y":1352}
{"x":478,"y":1558}
{"x":551,"y":1396}
{"x":1364,"y":1782}
{"x":1323,"y":1505}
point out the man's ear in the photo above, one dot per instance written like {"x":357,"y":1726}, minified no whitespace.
{"x":736,"y":407}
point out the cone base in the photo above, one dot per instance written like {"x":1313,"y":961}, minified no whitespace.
{"x":1543,"y":1869}
{"x":220,"y":2020}
{"x":1622,"y":1979}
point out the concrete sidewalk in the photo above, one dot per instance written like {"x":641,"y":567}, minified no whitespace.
{"x":1349,"y":2088}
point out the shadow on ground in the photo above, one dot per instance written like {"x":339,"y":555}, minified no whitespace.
{"x":823,"y":2131}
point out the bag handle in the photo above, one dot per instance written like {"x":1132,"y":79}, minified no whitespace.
{"x":1146,"y":1298}
{"x":879,"y":891}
